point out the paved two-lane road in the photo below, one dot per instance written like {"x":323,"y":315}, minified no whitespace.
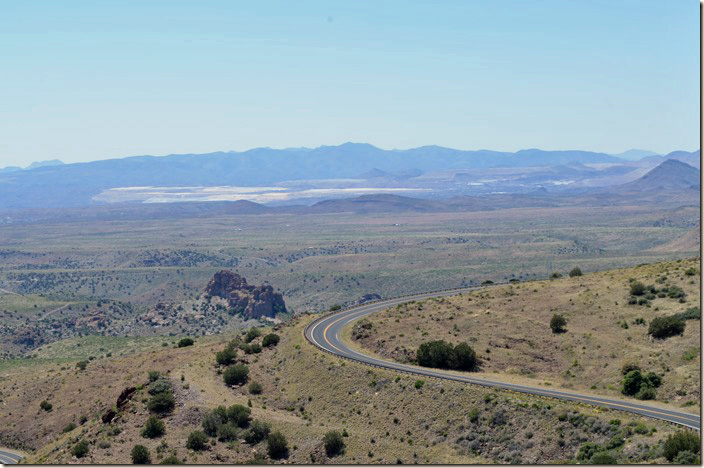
{"x":325,"y":333}
{"x":9,"y":458}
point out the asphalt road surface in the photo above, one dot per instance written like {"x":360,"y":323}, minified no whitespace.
{"x":9,"y":458}
{"x":325,"y":333}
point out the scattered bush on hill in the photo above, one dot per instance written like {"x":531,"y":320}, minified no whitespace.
{"x":252,"y":334}
{"x":693,"y":313}
{"x":272,"y":339}
{"x":80,"y":450}
{"x":161,"y":402}
{"x":639,"y":385}
{"x":239,"y":415}
{"x":637,"y":288}
{"x":46,"y":406}
{"x":334,"y":444}
{"x":140,"y":455}
{"x":154,"y":427}
{"x":558,"y":323}
{"x":664,"y":327}
{"x":258,"y":431}
{"x":576,"y":271}
{"x":443,"y":355}
{"x":236,"y":374}
{"x":185,"y":342}
{"x":682,"y":441}
{"x":197,"y":441}
{"x":153,"y":375}
{"x":277,"y":445}
{"x":255,"y":388}
{"x":159,"y":386}
{"x":213,"y":419}
{"x":226,"y":356}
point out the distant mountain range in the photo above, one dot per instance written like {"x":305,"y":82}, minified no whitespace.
{"x":670,"y":184}
{"x":351,"y":165}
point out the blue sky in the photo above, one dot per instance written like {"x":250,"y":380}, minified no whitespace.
{"x":92,"y":80}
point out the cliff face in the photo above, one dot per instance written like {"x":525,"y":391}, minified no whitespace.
{"x":251,"y":301}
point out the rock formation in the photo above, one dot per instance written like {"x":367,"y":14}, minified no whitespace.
{"x":248,"y":300}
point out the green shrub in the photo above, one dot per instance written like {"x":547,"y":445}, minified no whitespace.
{"x":236,"y":374}
{"x":154,"y":427}
{"x":465,"y":357}
{"x":140,"y":455}
{"x":443,"y":355}
{"x":682,"y":441}
{"x":576,"y":271}
{"x":226,"y":356}
{"x":687,"y":458}
{"x":628,"y":367}
{"x":602,"y":458}
{"x":81,"y":365}
{"x":272,"y":339}
{"x":258,"y":431}
{"x":197,"y":441}
{"x":255,"y":388}
{"x":159,"y":386}
{"x":69,"y":427}
{"x":419,"y":384}
{"x":252,"y":334}
{"x":80,"y":450}
{"x":46,"y":406}
{"x":473,"y":415}
{"x":693,"y":313}
{"x":161,"y":402}
{"x":212,"y":420}
{"x":277,"y":446}
{"x":558,"y":323}
{"x":153,"y":375}
{"x":637,"y":288}
{"x":171,"y":460}
{"x":334,"y":444}
{"x":663,"y":327}
{"x":691,"y":271}
{"x":227,"y":432}
{"x":239,"y":415}
{"x":640,"y":385}
{"x":587,"y":450}
{"x":252,"y":348}
{"x":185,"y":342}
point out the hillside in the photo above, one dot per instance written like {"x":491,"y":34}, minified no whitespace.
{"x":388,"y":418}
{"x":671,"y":175}
{"x":509,"y":328}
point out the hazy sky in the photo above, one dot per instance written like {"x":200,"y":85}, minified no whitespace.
{"x":97,"y":79}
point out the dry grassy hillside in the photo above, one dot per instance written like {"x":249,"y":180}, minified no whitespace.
{"x":388,"y":417}
{"x":508,"y":327}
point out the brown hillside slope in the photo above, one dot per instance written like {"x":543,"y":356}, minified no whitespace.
{"x":388,"y":417}
{"x":509,"y":329}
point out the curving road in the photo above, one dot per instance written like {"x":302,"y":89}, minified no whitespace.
{"x":9,"y":458}
{"x":325,"y":333}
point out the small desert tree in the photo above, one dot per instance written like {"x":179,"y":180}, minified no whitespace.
{"x":154,"y":427}
{"x":236,"y":375}
{"x":558,"y":323}
{"x":334,"y":444}
{"x":277,"y":445}
{"x":576,"y":271}
{"x":140,"y":455}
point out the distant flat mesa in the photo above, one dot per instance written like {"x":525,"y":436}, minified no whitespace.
{"x":226,"y":193}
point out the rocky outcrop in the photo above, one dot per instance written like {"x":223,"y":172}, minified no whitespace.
{"x":248,"y":300}
{"x":369,"y":298}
